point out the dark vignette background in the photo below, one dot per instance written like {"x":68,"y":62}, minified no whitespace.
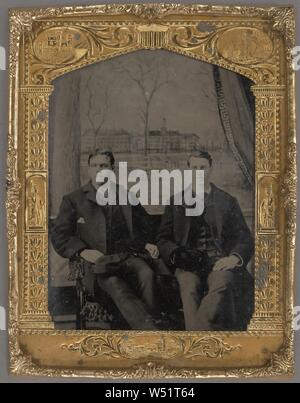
{"x":4,"y":6}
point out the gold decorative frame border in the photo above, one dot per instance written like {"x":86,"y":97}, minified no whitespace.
{"x":89,"y":35}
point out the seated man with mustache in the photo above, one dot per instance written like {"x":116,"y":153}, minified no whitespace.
{"x":92,"y":232}
{"x":208,"y":255}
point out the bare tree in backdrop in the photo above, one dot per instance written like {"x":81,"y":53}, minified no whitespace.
{"x":150,"y":75}
{"x":97,"y":112}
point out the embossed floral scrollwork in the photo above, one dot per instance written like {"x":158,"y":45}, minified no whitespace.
{"x":284,"y":22}
{"x":13,"y":186}
{"x":113,"y":37}
{"x":289,"y":192}
{"x":266,"y":290}
{"x":190,"y":37}
{"x":211,"y":347}
{"x":116,"y":347}
{"x":94,"y":346}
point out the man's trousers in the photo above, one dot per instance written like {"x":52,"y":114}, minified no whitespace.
{"x":210,"y":304}
{"x":132,"y":290}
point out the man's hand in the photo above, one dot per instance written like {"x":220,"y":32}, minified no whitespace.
{"x":227,"y":263}
{"x":153,"y":250}
{"x":91,"y":255}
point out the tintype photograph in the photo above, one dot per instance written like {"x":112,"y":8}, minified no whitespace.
{"x":149,"y":266}
{"x":151,"y":191}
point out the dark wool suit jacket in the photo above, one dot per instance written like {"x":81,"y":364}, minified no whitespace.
{"x":222,"y":213}
{"x":81,"y":224}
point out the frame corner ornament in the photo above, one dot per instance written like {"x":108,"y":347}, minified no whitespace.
{"x":284,"y":21}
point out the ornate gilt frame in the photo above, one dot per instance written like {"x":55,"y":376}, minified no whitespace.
{"x":206,"y":33}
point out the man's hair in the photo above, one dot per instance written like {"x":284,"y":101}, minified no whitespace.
{"x":103,"y":151}
{"x":200,"y":154}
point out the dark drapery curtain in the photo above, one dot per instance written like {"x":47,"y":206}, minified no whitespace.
{"x":237,"y":113}
{"x":64,"y":139}
{"x":64,"y":160}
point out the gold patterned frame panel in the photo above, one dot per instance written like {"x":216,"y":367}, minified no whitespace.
{"x":47,"y":43}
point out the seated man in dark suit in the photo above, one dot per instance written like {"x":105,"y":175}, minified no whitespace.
{"x":86,"y":230}
{"x":208,"y":254}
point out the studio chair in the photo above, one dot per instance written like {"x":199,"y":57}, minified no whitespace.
{"x":94,"y":309}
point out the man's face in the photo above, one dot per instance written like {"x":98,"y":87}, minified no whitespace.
{"x":97,"y":164}
{"x":201,"y":164}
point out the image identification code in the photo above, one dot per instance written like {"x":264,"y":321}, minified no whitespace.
{"x":151,"y":392}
